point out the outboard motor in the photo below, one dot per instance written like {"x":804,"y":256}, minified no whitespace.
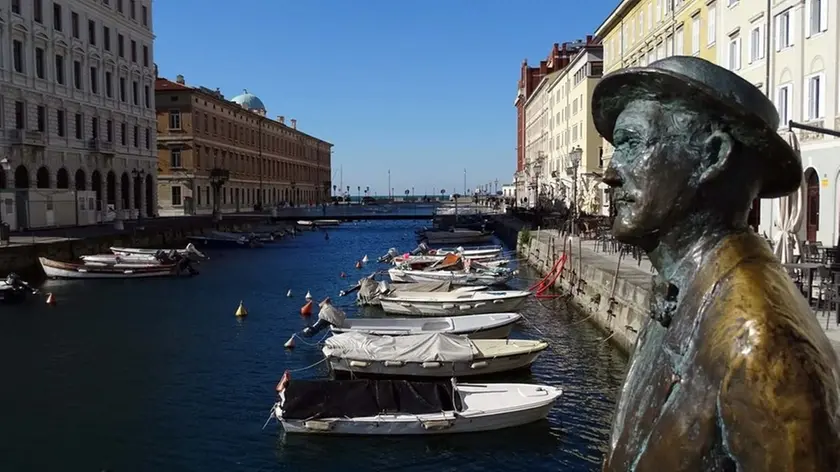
{"x":389,"y":256}
{"x":329,"y":315}
{"x":185,"y":264}
{"x":13,"y":280}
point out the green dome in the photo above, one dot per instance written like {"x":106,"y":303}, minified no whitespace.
{"x":248,"y":101}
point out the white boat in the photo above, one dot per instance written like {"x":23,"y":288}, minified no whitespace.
{"x":428,"y":355}
{"x":453,"y":303}
{"x":369,"y":290}
{"x":400,"y":407}
{"x":319,"y":223}
{"x":426,"y":260}
{"x":456,"y":236}
{"x":69,"y":270}
{"x":189,"y":251}
{"x":472,"y":252}
{"x":487,"y":326}
{"x":458,"y":277}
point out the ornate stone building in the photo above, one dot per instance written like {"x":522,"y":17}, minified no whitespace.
{"x":216,"y":154}
{"x":76,"y":111}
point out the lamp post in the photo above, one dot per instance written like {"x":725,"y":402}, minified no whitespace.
{"x":292,"y":184}
{"x":4,"y":164}
{"x":260,"y":161}
{"x":138,"y":180}
{"x":574,"y":162}
{"x":359,"y":193}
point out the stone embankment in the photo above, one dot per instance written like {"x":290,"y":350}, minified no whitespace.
{"x":612,"y":291}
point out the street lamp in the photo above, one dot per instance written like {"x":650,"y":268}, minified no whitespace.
{"x":293,"y":184}
{"x":574,"y":162}
{"x":4,"y":164}
{"x":218,"y":177}
{"x":359,"y":193}
{"x":138,"y":181}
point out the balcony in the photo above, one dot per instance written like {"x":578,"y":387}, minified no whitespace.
{"x":99,"y":146}
{"x":25,"y":137}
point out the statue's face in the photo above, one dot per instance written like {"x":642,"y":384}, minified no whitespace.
{"x":651,"y":168}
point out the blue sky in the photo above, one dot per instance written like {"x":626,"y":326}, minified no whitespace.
{"x":425,"y":89}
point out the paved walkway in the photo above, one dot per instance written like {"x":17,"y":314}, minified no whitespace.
{"x":639,"y":274}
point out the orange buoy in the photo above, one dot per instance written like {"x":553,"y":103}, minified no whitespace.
{"x":50,"y":299}
{"x":306,"y":310}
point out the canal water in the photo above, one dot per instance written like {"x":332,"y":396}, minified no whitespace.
{"x":158,"y":375}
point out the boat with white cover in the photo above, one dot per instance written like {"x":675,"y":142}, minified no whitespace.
{"x":472,"y":252}
{"x":401,"y":407}
{"x":69,"y":270}
{"x":370,"y":290}
{"x":487,"y":326}
{"x":458,"y":277}
{"x":453,"y":303}
{"x":189,"y":251}
{"x":428,"y":355}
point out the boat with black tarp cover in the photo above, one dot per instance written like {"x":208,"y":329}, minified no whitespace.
{"x":380,"y":407}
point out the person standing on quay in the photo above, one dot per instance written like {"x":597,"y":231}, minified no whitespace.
{"x":732,"y":372}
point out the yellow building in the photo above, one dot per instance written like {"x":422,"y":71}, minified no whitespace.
{"x":639,"y":32}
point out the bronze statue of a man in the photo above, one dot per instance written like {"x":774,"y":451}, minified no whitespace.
{"x":732,"y":372}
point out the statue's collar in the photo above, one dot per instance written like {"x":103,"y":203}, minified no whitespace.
{"x":721,"y":259}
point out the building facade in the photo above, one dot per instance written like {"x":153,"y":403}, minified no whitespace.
{"x":529,"y":79}
{"x":228,"y":156}
{"x":790,"y":51}
{"x":639,"y":32}
{"x":77,"y":111}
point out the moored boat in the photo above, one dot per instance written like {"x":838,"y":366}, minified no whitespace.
{"x":453,"y":303}
{"x":455,"y":236}
{"x":189,"y":251}
{"x":223,"y":240}
{"x":401,"y":407}
{"x":458,"y":277}
{"x":487,"y":326}
{"x":14,"y":289}
{"x":428,"y":355}
{"x":69,"y":270}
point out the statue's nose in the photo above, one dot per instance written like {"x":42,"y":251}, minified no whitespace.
{"x":611,"y":177}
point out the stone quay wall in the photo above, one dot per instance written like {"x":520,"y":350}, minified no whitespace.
{"x":612,"y":291}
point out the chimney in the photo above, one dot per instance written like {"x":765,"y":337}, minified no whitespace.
{"x":179,"y":79}
{"x":588,"y":39}
{"x":281,"y":119}
{"x":294,"y":123}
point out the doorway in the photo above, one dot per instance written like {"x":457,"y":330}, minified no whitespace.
{"x":812,"y":217}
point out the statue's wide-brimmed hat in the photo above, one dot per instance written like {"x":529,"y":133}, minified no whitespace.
{"x":750,"y":117}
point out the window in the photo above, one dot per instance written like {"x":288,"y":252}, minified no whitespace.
{"x":94,"y":80}
{"x":20,"y":115}
{"x":734,"y":61}
{"x":695,"y":34}
{"x":109,"y":85}
{"x":144,"y":13}
{"x":176,"y":195}
{"x":39,"y":63}
{"x":175,"y":158}
{"x":136,"y":136}
{"x":106,"y":38}
{"x":711,"y":26}
{"x":815,"y":105}
{"x":679,"y":42}
{"x":816,"y":12}
{"x":74,"y":24}
{"x":147,"y":97}
{"x":174,"y":119}
{"x":783,"y":102}
{"x":145,"y":56}
{"x":120,"y":6}
{"x":77,"y":75}
{"x":133,"y":51}
{"x":92,"y":32}
{"x":60,"y":122}
{"x":784,"y":30}
{"x":133,"y":5}
{"x":120,"y":45}
{"x":757,"y":43}
{"x":16,"y":6}
{"x":94,"y":128}
{"x":42,"y":118}
{"x":669,"y":46}
{"x":122,"y":89}
{"x":731,"y":3}
{"x":57,"y":17}
{"x":148,"y":138}
{"x":38,"y":11}
{"x":135,"y":94}
{"x":109,"y":131}
{"x":79,"y":126}
{"x":17,"y":55}
{"x":59,"y":69}
{"x":123,"y":134}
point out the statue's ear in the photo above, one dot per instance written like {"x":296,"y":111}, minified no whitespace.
{"x":717,"y":151}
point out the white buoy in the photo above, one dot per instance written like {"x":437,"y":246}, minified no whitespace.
{"x":308,"y":295}
{"x":290,"y":344}
{"x":365,"y":259}
{"x":289,"y":293}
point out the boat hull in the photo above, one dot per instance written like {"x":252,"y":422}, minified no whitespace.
{"x":65,"y":270}
{"x":500,"y":330}
{"x":475,"y":367}
{"x":450,"y":308}
{"x":446,"y":422}
{"x":456,"y":278}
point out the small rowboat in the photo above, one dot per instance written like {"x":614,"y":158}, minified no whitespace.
{"x":489,"y":326}
{"x":69,"y":270}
